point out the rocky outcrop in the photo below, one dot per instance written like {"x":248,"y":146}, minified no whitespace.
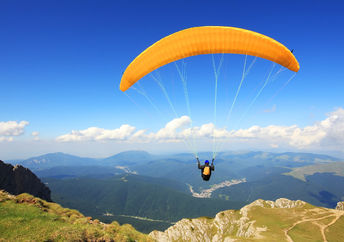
{"x":279,"y":203}
{"x":18,"y":179}
{"x":340,"y":206}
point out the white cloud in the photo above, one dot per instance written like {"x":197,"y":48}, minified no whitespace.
{"x":98,"y":134}
{"x":12,"y":128}
{"x":327,"y":133}
{"x":6,"y":139}
{"x":170,"y":131}
{"x":129,"y":133}
{"x":35,"y":135}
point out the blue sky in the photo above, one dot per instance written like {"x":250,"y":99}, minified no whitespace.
{"x":61,"y":63}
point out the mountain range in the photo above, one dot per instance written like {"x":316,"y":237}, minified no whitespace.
{"x":137,"y":158}
{"x":154,"y":191}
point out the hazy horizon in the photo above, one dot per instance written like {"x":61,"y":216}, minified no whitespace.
{"x":167,"y":153}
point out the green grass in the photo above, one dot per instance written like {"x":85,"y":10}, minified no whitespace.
{"x":32,"y":219}
{"x":275,"y":219}
{"x":326,"y":221}
{"x":335,"y":232}
{"x":306,"y":231}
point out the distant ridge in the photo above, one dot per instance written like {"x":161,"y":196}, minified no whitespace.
{"x":129,"y":157}
{"x":135,"y":157}
{"x":336,"y":168}
{"x":18,"y":179}
{"x":56,"y":159}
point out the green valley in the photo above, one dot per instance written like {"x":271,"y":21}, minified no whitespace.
{"x":124,"y":197}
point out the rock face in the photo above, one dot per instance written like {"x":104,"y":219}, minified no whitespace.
{"x":260,"y":220}
{"x":18,"y":179}
{"x":340,"y":206}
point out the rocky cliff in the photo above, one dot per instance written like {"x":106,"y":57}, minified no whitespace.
{"x":340,"y":206}
{"x":280,"y":220}
{"x":18,"y":179}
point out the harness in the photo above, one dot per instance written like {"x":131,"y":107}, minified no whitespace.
{"x":206,"y":171}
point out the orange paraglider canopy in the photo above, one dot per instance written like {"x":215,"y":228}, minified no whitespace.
{"x":206,"y":40}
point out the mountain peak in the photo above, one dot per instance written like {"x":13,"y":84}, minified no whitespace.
{"x":128,"y":157}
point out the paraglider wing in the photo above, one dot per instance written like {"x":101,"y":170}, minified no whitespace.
{"x":206,"y":40}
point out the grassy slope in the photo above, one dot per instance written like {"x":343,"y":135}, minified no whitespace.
{"x":334,"y":231}
{"x":301,"y":172}
{"x":301,"y":223}
{"x":304,"y":223}
{"x":25,"y":217}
